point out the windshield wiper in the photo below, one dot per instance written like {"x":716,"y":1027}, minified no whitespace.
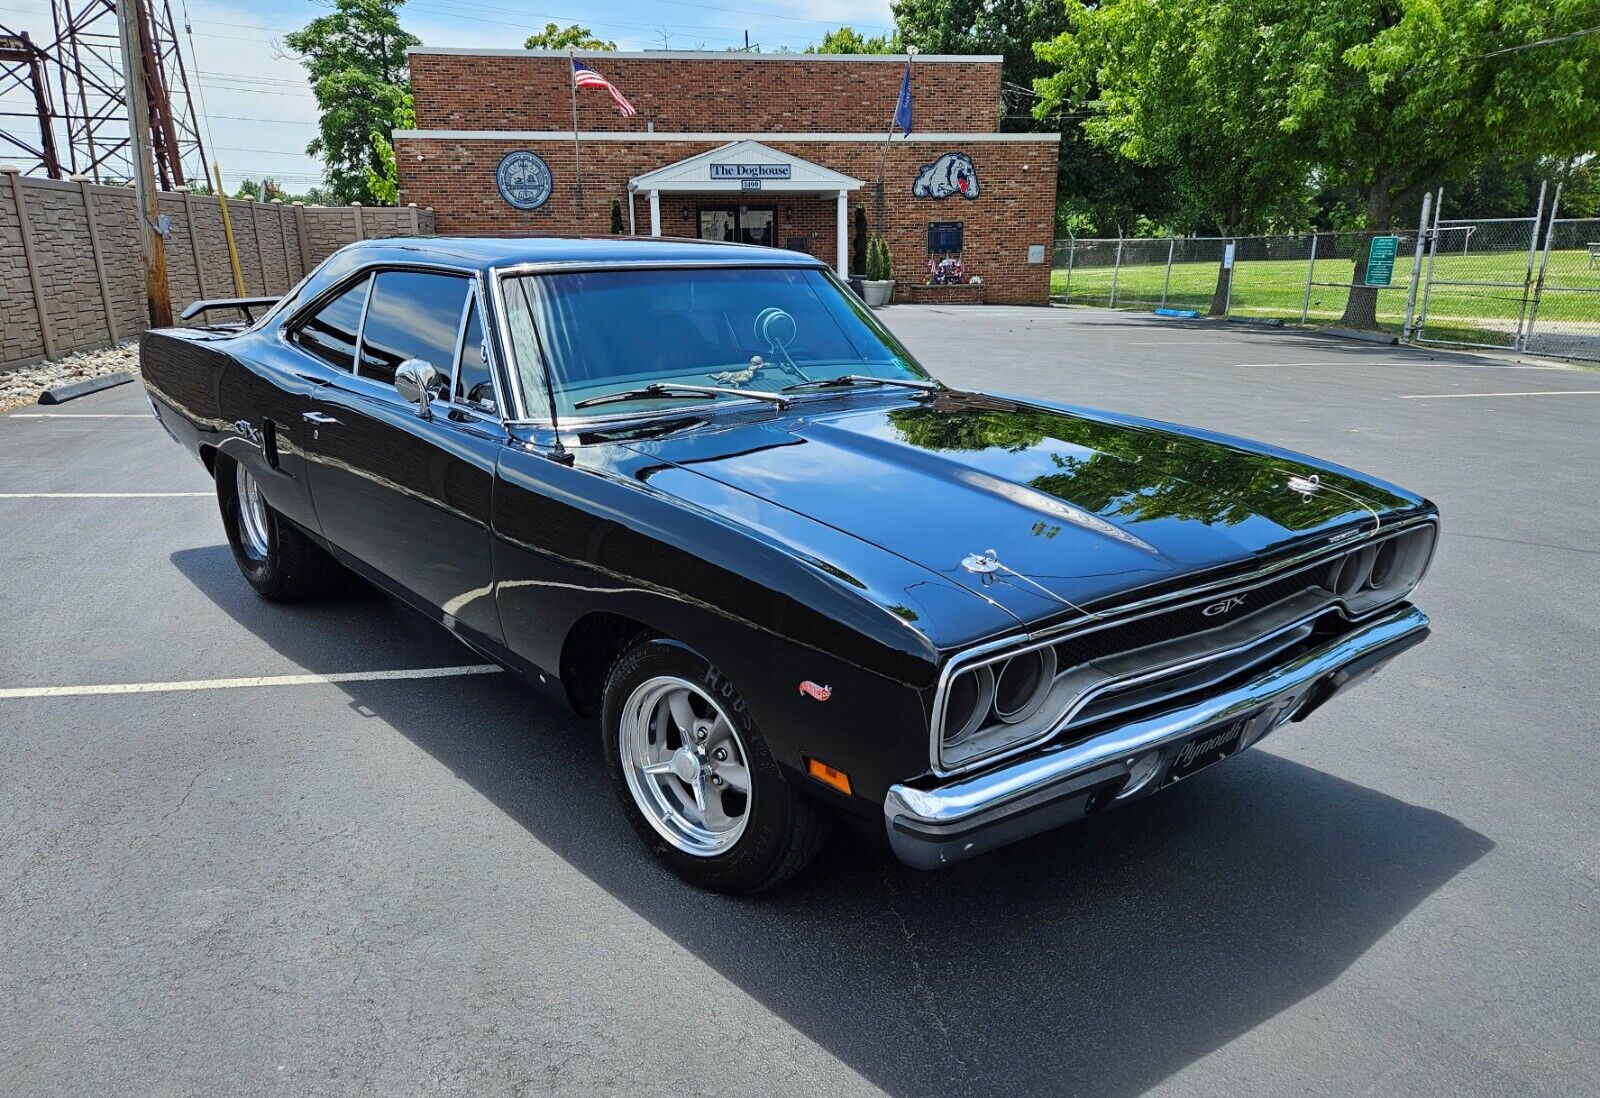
{"x":671,"y":390}
{"x":846,"y":380}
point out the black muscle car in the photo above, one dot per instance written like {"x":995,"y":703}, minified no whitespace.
{"x":700,"y":492}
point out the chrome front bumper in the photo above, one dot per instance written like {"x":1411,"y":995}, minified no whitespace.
{"x":945,"y":823}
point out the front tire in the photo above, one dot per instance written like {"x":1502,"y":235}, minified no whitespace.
{"x":278,"y":560}
{"x":695,"y":777}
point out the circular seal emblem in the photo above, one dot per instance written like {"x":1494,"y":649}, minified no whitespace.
{"x":523,"y":179}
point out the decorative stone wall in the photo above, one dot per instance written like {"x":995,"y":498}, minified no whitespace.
{"x":72,"y":273}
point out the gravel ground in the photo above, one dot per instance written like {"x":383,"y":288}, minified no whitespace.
{"x":23,"y":386}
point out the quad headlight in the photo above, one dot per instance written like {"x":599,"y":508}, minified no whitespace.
{"x":998,"y":704}
{"x":1375,"y":575}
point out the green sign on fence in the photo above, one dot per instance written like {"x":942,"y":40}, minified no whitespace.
{"x":1380,"y":260}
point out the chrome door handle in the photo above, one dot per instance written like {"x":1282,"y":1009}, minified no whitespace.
{"x":317,"y":417}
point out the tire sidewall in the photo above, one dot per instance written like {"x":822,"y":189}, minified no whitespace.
{"x":263,"y":573}
{"x":752,"y":860}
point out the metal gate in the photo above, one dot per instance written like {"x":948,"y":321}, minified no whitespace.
{"x":1478,"y":279}
{"x":1564,"y":317}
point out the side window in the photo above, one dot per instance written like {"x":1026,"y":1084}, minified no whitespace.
{"x":412,"y":315}
{"x":476,"y":387}
{"x":331,"y":333}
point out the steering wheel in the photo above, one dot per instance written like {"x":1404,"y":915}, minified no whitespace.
{"x":777,"y":330}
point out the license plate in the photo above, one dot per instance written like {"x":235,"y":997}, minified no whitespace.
{"x":1208,"y":747}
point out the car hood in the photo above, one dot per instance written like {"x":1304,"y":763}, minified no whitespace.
{"x":1079,"y":506}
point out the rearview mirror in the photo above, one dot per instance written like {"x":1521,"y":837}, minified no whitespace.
{"x":418,"y":382}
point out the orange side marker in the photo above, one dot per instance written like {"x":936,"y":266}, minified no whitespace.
{"x":827,"y":775}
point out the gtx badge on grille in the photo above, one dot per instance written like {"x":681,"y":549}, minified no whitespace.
{"x":1227,"y":605}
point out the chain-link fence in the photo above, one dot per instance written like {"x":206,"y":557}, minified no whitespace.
{"x":1483,"y":282}
{"x":1564,"y":318}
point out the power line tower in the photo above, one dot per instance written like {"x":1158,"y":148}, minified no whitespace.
{"x":64,"y":105}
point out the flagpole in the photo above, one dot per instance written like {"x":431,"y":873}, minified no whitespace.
{"x":577,"y":160}
{"x":880,"y":199}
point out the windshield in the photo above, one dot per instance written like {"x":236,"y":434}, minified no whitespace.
{"x":601,"y":333}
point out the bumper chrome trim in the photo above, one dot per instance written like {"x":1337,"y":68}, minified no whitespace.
{"x":933,"y":827}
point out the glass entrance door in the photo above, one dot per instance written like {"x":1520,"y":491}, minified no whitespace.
{"x":740,"y":224}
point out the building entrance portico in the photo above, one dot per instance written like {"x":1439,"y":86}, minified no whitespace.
{"x":736,"y":188}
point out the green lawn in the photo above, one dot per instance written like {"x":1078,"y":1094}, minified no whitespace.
{"x":1276,"y":288}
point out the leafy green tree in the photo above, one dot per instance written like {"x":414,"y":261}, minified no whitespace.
{"x":356,"y":59}
{"x":850,"y":40}
{"x":1393,"y":96}
{"x":1172,"y":85}
{"x":1385,"y":97}
{"x":1098,"y":192}
{"x":560,"y":38}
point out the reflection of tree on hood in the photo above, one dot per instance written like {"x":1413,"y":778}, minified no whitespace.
{"x":1134,"y":473}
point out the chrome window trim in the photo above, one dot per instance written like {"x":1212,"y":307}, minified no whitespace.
{"x":1021,"y":643}
{"x":296,"y":319}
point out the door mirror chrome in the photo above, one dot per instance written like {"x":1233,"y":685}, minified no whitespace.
{"x":418,"y":382}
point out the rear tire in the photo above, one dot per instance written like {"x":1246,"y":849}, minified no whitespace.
{"x":744,"y":829}
{"x":278,"y":560}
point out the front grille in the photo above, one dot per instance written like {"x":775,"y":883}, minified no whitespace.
{"x":1171,"y":625}
{"x":1128,"y":665}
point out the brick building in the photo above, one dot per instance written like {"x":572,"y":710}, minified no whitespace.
{"x":765,"y":148}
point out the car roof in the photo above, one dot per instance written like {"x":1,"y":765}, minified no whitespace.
{"x":486,"y":252}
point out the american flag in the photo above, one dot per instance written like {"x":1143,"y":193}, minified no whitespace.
{"x":585,"y":77}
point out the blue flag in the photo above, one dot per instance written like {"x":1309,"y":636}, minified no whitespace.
{"x":902,"y":109}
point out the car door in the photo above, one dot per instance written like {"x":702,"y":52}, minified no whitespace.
{"x":403,"y":495}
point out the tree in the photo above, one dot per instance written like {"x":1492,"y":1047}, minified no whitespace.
{"x":1098,"y":192}
{"x":849,"y":40}
{"x":356,"y":59}
{"x":573,"y":36}
{"x":1172,"y":85}
{"x":1393,"y":96}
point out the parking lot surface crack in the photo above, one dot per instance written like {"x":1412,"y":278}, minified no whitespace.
{"x":923,"y":987}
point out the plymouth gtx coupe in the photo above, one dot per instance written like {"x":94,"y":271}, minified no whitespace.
{"x":700,"y":492}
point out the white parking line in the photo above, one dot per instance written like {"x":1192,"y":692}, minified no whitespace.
{"x":1536,"y":393}
{"x":104,"y":495}
{"x":81,"y":415}
{"x":242,"y":684}
{"x":1357,"y":362}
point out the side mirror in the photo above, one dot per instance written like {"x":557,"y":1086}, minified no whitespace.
{"x":418,"y":382}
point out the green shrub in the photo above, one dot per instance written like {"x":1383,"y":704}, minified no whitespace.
{"x":880,"y":265}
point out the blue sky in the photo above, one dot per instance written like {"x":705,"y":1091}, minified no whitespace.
{"x":260,"y":110}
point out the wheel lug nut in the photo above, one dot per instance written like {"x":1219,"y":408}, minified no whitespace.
{"x":716,"y":779}
{"x":720,"y":754}
{"x":700,"y":734}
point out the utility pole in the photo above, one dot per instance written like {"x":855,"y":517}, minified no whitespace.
{"x":158,"y":297}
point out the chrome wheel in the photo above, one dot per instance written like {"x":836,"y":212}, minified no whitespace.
{"x":685,"y":765}
{"x":252,"y":516}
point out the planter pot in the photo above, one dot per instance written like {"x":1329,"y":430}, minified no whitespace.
{"x":877,"y":291}
{"x":855,"y":284}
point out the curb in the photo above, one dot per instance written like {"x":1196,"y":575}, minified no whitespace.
{"x":1259,"y":321}
{"x":63,"y":393}
{"x":1365,"y":337}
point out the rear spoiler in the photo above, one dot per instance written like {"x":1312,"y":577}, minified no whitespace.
{"x":243,"y":304}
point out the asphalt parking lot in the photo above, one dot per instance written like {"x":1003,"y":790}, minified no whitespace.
{"x":394,"y":883}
